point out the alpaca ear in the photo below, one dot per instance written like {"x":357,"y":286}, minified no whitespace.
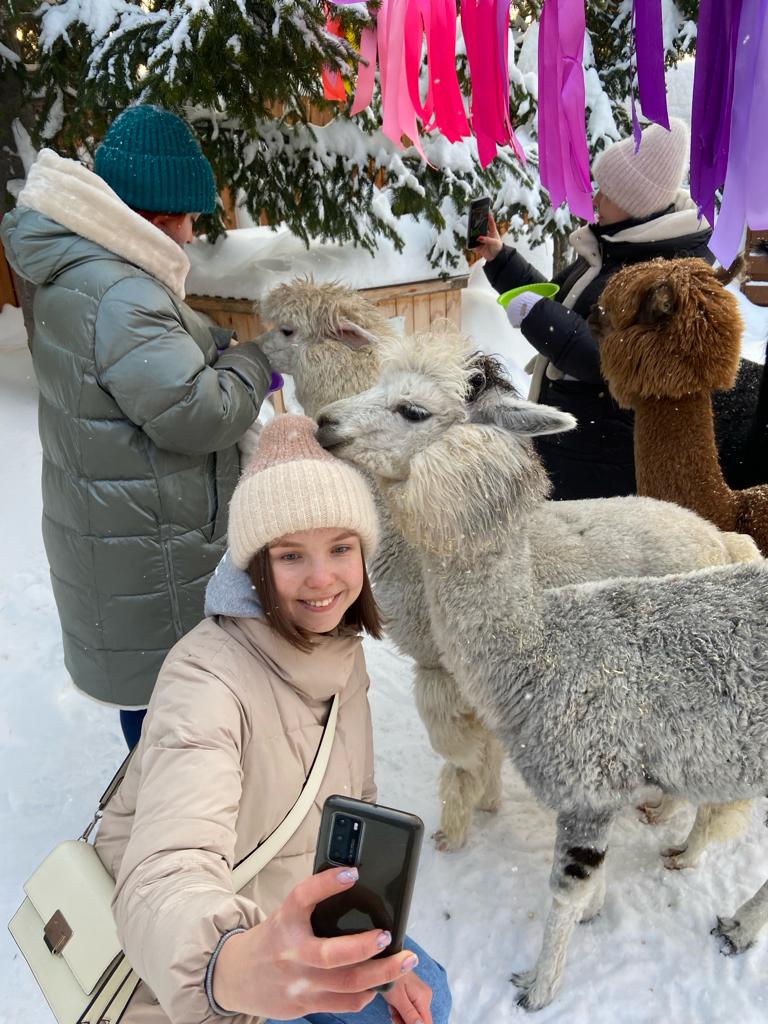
{"x":657,"y":305}
{"x":526,"y":418}
{"x":353,"y":335}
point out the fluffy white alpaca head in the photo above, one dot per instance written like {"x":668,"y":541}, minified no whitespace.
{"x":450,"y":471}
{"x":305,"y":314}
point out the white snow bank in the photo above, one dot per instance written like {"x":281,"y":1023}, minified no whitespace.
{"x":249,"y":262}
{"x":12,"y":332}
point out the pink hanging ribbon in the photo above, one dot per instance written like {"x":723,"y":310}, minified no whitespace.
{"x":397,"y":40}
{"x":485,"y":24}
{"x":563,"y":150}
{"x":744,"y":195}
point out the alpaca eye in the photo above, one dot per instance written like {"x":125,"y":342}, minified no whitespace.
{"x":414,"y":413}
{"x":287,"y":332}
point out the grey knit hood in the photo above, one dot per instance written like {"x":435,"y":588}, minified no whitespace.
{"x":230,"y":592}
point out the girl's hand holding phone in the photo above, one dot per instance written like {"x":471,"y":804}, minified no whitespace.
{"x":410,"y":1001}
{"x":280,"y":969}
{"x":490,"y":245}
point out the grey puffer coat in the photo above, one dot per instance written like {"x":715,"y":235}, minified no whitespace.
{"x":139,"y":416}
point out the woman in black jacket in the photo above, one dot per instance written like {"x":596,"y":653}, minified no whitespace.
{"x":642,"y":214}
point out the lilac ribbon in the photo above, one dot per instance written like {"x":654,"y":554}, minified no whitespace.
{"x":716,"y":42}
{"x":649,"y":51}
{"x":743,"y":193}
{"x":563,"y":150}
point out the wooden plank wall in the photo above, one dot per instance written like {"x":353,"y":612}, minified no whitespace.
{"x":419,"y":303}
{"x":755,"y":285}
{"x":8,"y":296}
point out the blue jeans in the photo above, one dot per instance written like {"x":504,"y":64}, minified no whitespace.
{"x":377,"y":1011}
{"x":130,"y":723}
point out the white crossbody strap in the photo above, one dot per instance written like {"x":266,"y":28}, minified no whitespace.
{"x":247,"y":869}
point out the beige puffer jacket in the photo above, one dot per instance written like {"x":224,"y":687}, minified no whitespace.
{"x":234,"y":723}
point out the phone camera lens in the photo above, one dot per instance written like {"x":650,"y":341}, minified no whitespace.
{"x":341,"y":822}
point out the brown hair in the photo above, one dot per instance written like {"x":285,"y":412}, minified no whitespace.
{"x":362,"y":615}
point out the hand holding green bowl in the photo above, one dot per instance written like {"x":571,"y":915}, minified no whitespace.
{"x":546,"y":289}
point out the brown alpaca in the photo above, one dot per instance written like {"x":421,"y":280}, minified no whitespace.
{"x":670,"y":336}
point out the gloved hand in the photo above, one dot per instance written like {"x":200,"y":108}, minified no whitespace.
{"x":276,"y":383}
{"x":521,"y":306}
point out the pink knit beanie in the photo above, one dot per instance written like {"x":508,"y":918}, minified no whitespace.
{"x":645,"y":182}
{"x":292,"y":484}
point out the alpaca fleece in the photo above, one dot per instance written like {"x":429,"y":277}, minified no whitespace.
{"x":596,"y":690}
{"x":670,"y":335}
{"x":574,"y":541}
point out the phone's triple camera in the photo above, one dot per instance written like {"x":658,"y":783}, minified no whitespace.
{"x":345,"y":839}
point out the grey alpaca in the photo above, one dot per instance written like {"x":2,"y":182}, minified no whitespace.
{"x":327,"y":337}
{"x":596,"y":690}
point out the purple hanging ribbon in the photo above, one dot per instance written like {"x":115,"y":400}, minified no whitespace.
{"x":649,"y":53}
{"x":563,"y":150}
{"x":743,"y":193}
{"x":716,"y":42}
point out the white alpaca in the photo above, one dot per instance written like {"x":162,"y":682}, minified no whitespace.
{"x":322,"y":336}
{"x":597,"y":689}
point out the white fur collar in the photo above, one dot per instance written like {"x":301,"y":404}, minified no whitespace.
{"x":80,"y":200}
{"x":683,"y":220}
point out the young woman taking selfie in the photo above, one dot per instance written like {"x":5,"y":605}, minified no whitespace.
{"x":230,"y":737}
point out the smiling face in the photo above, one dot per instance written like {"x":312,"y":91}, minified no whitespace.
{"x":318,"y":574}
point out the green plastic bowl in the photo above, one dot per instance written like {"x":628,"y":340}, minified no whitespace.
{"x":546,"y":288}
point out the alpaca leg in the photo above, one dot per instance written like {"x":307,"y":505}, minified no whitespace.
{"x":493,"y":761}
{"x":713,"y":822}
{"x":596,"y":901}
{"x":739,"y":932}
{"x":462,"y":740}
{"x":577,"y":873}
{"x":460,"y":791}
{"x":656,"y":812}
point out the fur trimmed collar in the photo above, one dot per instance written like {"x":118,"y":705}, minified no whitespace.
{"x":81,"y":201}
{"x":682,"y":220}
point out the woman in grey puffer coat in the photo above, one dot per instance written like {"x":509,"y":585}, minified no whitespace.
{"x":139,"y":412}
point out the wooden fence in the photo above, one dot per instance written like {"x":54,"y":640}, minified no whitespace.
{"x":755,"y":285}
{"x":418,"y":302}
{"x":8,"y":296}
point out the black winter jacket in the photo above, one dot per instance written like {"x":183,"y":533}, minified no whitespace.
{"x":596,"y":460}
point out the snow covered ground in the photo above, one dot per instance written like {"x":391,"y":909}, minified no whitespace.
{"x":647,"y":959}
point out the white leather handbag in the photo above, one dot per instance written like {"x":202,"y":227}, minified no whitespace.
{"x":65,"y":929}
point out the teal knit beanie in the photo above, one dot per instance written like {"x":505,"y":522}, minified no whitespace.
{"x":153,"y":162}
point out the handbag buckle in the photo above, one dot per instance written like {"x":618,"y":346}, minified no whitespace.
{"x":91,"y":826}
{"x":57,"y":933}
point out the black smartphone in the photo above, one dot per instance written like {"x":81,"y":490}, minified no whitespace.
{"x":384,"y":845}
{"x":477,"y":222}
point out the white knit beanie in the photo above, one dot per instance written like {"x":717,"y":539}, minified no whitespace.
{"x":292,"y":484}
{"x":645,"y":182}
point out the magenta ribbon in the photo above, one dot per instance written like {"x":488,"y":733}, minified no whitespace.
{"x":744,"y":202}
{"x":563,"y":149}
{"x":485,"y":24}
{"x":649,"y":54}
{"x":444,"y":91}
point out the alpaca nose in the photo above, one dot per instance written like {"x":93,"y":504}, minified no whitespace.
{"x":327,"y":431}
